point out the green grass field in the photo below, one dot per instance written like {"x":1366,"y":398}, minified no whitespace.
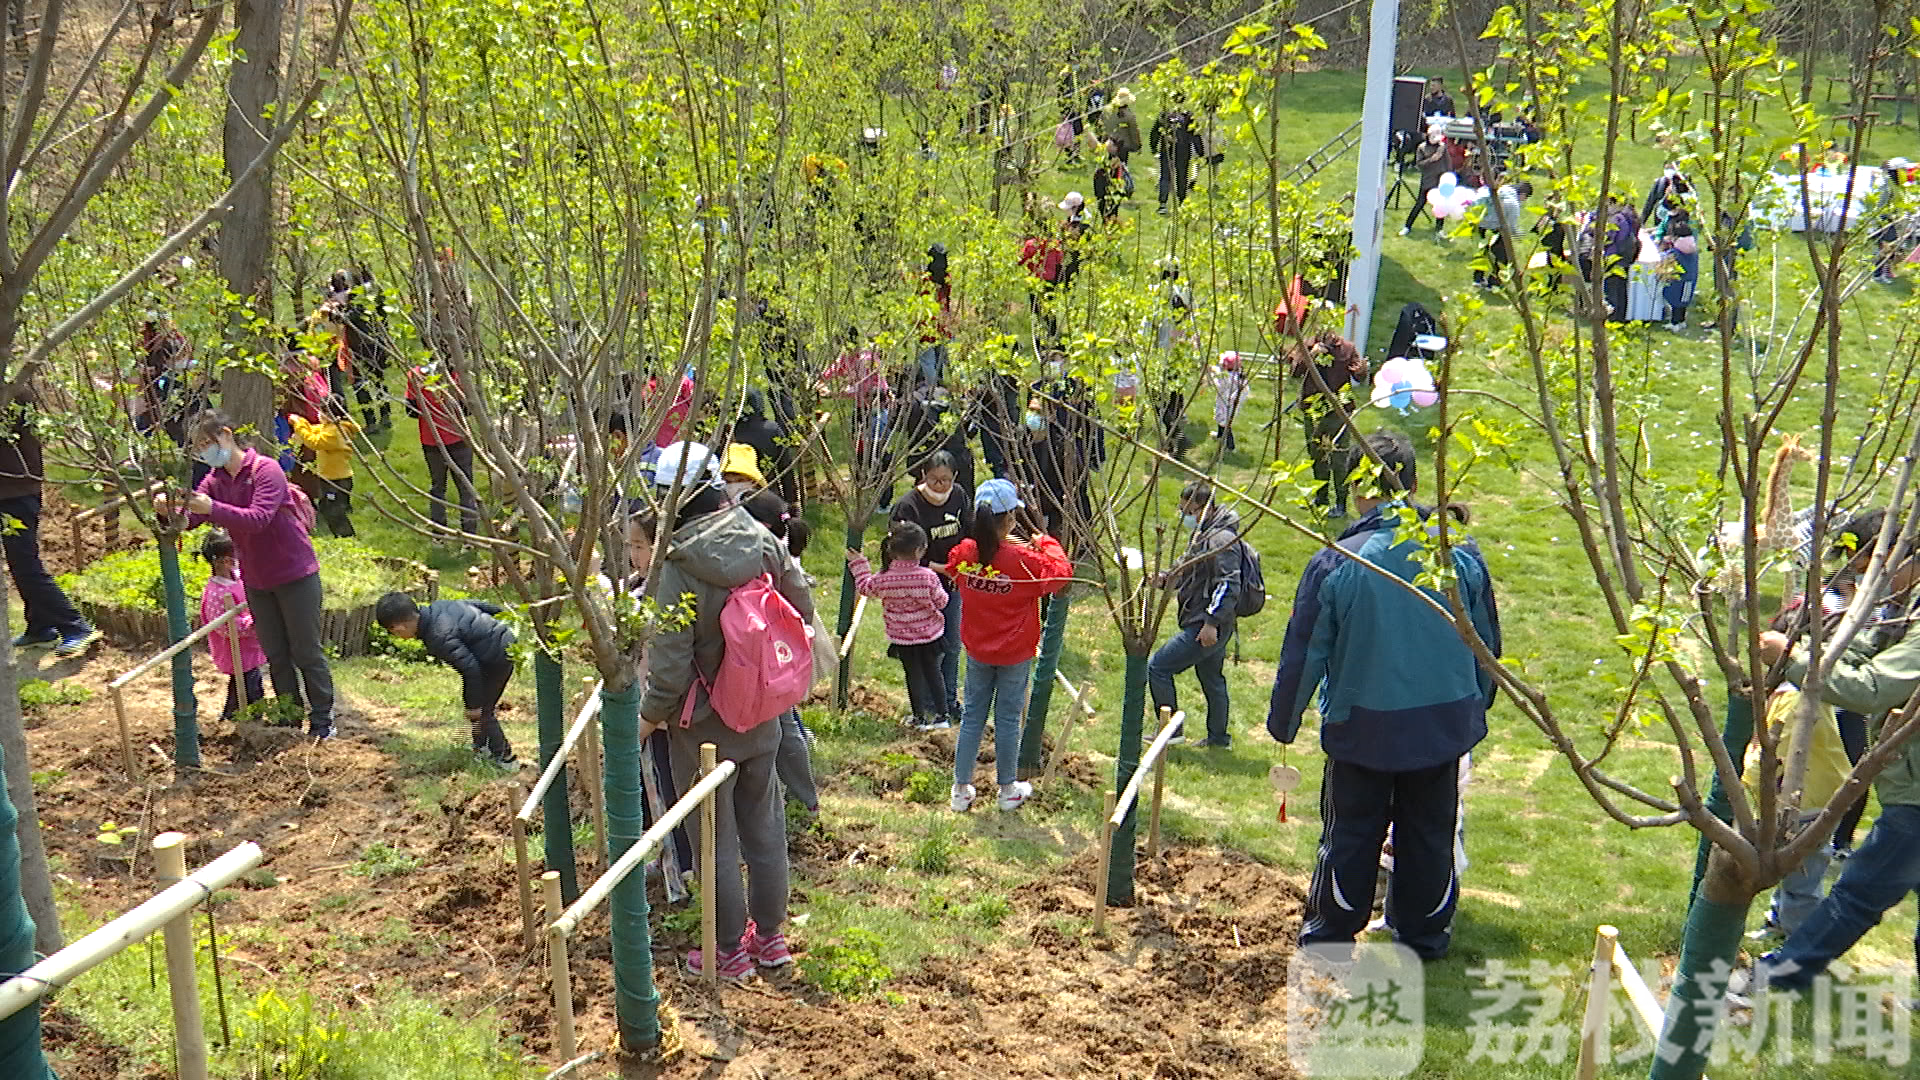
{"x":1547,"y":866}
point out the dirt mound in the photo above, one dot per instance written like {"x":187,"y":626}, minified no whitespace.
{"x":1189,"y":986}
{"x":365,"y":884}
{"x":57,"y":548}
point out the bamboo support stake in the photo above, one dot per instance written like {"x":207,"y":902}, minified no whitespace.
{"x":1067,"y":729}
{"x":1153,"y":816}
{"x":597,"y":791}
{"x":239,"y":672}
{"x":853,"y":626}
{"x":709,"y":927}
{"x":523,"y":873}
{"x":183,"y":981}
{"x":126,"y":735}
{"x":566,"y":1043}
{"x":1106,"y":861}
{"x":1594,"y":1036}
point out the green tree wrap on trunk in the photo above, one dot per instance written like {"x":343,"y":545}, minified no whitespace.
{"x":550,"y":698}
{"x":1133,"y":709}
{"x":20,"y":1054}
{"x":1708,"y":947}
{"x":844,"y":681}
{"x":186,"y":709}
{"x":636,"y":1004}
{"x":1040,"y":697}
{"x":1736,"y":735}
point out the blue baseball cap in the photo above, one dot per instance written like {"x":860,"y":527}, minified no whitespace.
{"x":998,"y":496}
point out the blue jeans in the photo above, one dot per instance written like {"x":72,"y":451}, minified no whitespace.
{"x":950,"y":648}
{"x":1182,"y":651}
{"x":1879,"y":875}
{"x":1003,"y":688}
{"x":1799,"y":892}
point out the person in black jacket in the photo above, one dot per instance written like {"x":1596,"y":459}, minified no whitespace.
{"x":465,"y":636}
{"x":1176,"y":142}
{"x":768,"y":439}
{"x":1206,"y":580}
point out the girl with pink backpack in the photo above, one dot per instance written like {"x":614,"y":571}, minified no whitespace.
{"x":722,"y":562}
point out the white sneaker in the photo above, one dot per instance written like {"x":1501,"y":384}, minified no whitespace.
{"x":962,"y":800}
{"x":1404,"y":230}
{"x":1015,"y":795}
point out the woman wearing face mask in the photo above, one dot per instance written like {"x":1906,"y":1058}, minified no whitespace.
{"x":939,"y":505}
{"x":247,"y":495}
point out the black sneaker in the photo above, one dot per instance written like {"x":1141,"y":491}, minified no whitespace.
{"x":1215,"y":744}
{"x":320,"y":734}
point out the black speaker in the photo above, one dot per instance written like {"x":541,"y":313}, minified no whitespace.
{"x":1408,"y":90}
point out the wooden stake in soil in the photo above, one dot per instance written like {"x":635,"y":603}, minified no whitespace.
{"x":709,"y":927}
{"x":239,"y":670}
{"x":523,"y":871}
{"x":126,"y":735}
{"x":1153,"y":815}
{"x":183,"y":983}
{"x":1106,"y":862}
{"x":1594,"y":1037}
{"x":565,"y":1042}
{"x":597,"y":790}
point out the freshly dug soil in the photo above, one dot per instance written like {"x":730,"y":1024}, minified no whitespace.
{"x":1189,"y":983}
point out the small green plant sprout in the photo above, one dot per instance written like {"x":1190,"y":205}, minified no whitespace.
{"x":934,"y":853}
{"x":850,"y":967}
{"x":989,"y":911}
{"x":380,"y":861}
{"x":113,"y":834}
{"x":289,"y":1039}
{"x":685,"y":920}
{"x":37,"y":695}
{"x":925,"y":787}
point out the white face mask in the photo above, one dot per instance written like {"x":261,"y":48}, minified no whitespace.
{"x":937,"y":498}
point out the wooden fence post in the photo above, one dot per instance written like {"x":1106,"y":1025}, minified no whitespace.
{"x":1594,"y":1036}
{"x":523,"y":870}
{"x":1106,"y":864}
{"x":565,"y":1043}
{"x":183,"y":982}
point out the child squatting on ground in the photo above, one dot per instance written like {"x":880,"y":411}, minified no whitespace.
{"x":225,"y":590}
{"x":913,"y":599}
{"x":465,"y":636}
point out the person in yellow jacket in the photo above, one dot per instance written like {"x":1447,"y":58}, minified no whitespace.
{"x":331,"y":443}
{"x":1827,"y":767}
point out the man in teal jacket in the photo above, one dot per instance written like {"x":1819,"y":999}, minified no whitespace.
{"x":1401,"y":699}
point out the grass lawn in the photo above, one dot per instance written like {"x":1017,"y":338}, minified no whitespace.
{"x":1547,"y":866}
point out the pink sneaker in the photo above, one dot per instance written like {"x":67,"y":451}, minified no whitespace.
{"x":771,"y":951}
{"x":735,"y":966}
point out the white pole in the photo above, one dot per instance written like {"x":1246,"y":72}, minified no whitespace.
{"x":89,"y":952}
{"x":1370,"y":185}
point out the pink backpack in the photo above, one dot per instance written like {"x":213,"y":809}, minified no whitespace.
{"x":768,"y":666}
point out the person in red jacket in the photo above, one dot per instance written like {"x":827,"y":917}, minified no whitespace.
{"x":1001,"y":578}
{"x":433,"y":397}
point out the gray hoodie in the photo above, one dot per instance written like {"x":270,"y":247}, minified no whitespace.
{"x":711,"y":556}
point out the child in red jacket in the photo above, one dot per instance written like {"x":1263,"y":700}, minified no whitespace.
{"x":1001,"y":579}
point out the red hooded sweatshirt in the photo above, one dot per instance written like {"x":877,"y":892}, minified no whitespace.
{"x":999,"y":614}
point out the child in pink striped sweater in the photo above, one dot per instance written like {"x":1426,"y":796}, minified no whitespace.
{"x":912,"y":598}
{"x":224,"y":590}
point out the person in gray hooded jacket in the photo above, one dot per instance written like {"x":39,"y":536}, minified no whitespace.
{"x":716,"y":548}
{"x":1207,"y":584}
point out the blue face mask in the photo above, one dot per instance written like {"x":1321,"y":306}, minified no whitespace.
{"x":1189,"y":522}
{"x":215,"y":456}
{"x":1036,"y":422}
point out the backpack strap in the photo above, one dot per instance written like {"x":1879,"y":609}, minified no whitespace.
{"x":699,"y":683}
